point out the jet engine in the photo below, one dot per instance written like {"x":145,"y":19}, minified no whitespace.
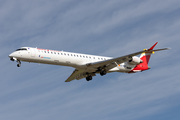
{"x":135,"y":60}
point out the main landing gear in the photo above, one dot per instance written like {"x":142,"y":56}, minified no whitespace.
{"x":89,"y":77}
{"x":103,"y":72}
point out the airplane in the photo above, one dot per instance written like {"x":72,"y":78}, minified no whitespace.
{"x":86,"y":66}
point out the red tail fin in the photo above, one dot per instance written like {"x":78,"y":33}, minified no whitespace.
{"x":153,"y":46}
{"x":146,"y":56}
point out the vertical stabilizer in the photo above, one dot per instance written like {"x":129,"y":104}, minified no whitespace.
{"x":146,"y":56}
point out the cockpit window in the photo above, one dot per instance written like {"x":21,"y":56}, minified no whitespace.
{"x":21,"y":49}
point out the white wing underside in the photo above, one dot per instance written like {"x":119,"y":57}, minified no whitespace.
{"x":92,"y":68}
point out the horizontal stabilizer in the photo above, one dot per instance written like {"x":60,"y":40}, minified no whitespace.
{"x":161,"y":49}
{"x":147,"y":51}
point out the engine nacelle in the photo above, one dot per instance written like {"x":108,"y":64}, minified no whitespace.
{"x":135,"y":60}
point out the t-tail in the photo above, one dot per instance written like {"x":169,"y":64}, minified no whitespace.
{"x":145,"y":57}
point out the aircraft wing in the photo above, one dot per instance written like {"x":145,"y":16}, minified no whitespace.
{"x":74,"y":75}
{"x":107,"y":64}
{"x":79,"y":74}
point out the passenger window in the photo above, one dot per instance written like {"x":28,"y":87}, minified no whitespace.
{"x":61,"y":53}
{"x":64,"y":53}
{"x":51,"y":52}
{"x":44,"y":51}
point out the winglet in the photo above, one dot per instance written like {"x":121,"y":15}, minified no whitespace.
{"x":153,"y":46}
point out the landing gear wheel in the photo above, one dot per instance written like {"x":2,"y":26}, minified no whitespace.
{"x":103,"y":72}
{"x":88,"y":78}
{"x":12,"y":59}
{"x":18,"y":65}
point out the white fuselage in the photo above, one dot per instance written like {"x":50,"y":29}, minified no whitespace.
{"x":86,"y":66}
{"x":76,"y":60}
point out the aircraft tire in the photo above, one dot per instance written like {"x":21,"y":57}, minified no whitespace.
{"x":103,"y":72}
{"x":88,"y":78}
{"x":18,"y":65}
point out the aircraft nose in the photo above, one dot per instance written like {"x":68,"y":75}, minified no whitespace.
{"x":10,"y":55}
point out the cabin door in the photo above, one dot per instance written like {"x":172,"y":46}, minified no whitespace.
{"x":33,"y":52}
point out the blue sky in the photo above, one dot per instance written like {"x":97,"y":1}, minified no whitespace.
{"x":101,"y":27}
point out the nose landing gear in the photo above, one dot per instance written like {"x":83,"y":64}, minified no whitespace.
{"x":12,"y":59}
{"x":19,"y":63}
